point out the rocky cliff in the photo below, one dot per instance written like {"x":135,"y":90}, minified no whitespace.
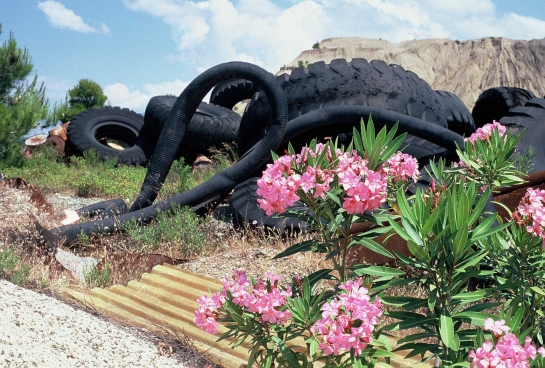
{"x":466,"y":68}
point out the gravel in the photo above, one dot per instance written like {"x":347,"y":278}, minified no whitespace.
{"x":39,"y":331}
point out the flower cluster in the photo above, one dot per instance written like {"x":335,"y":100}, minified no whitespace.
{"x":364,"y":189}
{"x":206,"y":317}
{"x":264,"y":298}
{"x":401,"y":167}
{"x":531,"y":212}
{"x":507,"y":353}
{"x":485,"y":132}
{"x":348,"y":320}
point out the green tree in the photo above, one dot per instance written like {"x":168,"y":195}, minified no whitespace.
{"x":84,"y":96}
{"x":22,"y":103}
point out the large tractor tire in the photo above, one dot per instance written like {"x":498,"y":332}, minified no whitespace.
{"x":227,"y":94}
{"x":459,"y":118}
{"x":211,"y":126}
{"x":357,"y":82}
{"x":495,"y":103}
{"x":111,"y":131}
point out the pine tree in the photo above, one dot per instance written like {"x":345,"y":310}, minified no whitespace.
{"x":22,"y":103}
{"x":84,"y":96}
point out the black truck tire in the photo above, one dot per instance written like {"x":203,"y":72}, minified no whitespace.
{"x":357,"y":82}
{"x":529,"y":118}
{"x":227,"y":94}
{"x":111,"y":131}
{"x":459,"y":118}
{"x":495,"y":103}
{"x":211,"y":126}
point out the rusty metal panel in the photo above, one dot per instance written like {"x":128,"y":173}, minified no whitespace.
{"x":166,"y":299}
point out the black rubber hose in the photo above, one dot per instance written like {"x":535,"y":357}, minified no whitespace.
{"x":168,"y":144}
{"x":340,"y":119}
{"x":183,"y":110}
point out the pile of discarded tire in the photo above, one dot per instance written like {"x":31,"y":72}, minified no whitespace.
{"x":322,"y":101}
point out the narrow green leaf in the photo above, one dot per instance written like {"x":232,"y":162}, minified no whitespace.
{"x":408,"y":303}
{"x":417,"y":251}
{"x":471,"y":296}
{"x":377,"y":271}
{"x":476,"y":318}
{"x":446,"y":330}
{"x":412,"y":231}
{"x":304,"y":246}
{"x":460,"y":240}
{"x":375,"y":247}
{"x":537,"y":290}
{"x":286,"y":352}
{"x":323,"y":274}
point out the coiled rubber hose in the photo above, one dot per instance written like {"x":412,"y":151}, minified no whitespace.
{"x":169,"y":141}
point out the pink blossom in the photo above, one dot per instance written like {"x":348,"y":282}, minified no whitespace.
{"x":497,"y":327}
{"x":401,"y":167}
{"x":366,"y":193}
{"x":485,"y":132}
{"x":507,"y":353}
{"x":206,"y":316}
{"x":365,"y":189}
{"x":531,"y":212}
{"x":348,"y":320}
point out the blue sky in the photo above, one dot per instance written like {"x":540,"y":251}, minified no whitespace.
{"x":137,"y":49}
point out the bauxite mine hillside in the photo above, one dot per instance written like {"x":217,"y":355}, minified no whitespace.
{"x":466,"y":68}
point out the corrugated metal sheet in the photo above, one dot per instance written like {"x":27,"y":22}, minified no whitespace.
{"x":166,"y":299}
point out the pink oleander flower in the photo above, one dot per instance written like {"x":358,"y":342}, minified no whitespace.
{"x":497,"y":327}
{"x":401,"y":167}
{"x":348,"y":320}
{"x":485,"y":132}
{"x":206,"y":316}
{"x":531,"y":212}
{"x":280,"y":187}
{"x":507,"y":353}
{"x":258,"y":298}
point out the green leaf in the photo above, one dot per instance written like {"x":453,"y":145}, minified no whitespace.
{"x":417,"y":250}
{"x":377,"y":271}
{"x":304,"y":246}
{"x":374,"y":246}
{"x":356,"y":138}
{"x":312,"y":347}
{"x":446,"y":331}
{"x":414,"y":337}
{"x":476,"y":318}
{"x":398,"y":229}
{"x":286,"y":352}
{"x":323,"y":274}
{"x":537,"y":290}
{"x":460,"y":240}
{"x":471,"y":296}
{"x":408,"y":303}
{"x":410,"y":323}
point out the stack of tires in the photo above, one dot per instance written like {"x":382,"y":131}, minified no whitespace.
{"x":131,"y":138}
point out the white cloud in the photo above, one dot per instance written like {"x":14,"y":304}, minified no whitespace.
{"x":104,"y":28}
{"x":210,"y":32}
{"x":61,"y":17}
{"x":120,"y":95}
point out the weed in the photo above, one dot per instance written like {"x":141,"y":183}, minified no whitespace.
{"x":21,"y":275}
{"x":85,"y":176}
{"x":8,"y":260}
{"x":99,"y":278}
{"x":178,"y":229}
